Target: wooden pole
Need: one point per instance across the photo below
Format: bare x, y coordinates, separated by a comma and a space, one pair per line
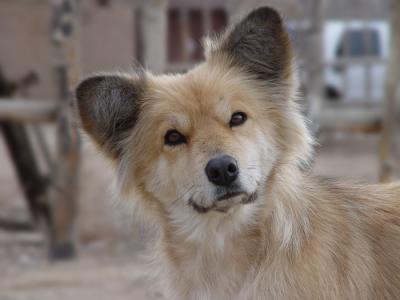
23, 110
153, 24
314, 63
64, 190
392, 83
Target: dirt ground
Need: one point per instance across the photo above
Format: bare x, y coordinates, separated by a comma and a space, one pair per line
110, 263
103, 270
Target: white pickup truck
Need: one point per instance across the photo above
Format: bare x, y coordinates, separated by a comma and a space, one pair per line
354, 58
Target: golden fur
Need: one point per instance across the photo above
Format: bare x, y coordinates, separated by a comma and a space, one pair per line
302, 238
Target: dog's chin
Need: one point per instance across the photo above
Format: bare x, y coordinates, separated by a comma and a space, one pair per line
224, 203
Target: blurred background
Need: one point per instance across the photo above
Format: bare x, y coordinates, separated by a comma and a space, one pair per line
61, 231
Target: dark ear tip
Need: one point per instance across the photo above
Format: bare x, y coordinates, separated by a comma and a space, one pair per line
88, 86
265, 14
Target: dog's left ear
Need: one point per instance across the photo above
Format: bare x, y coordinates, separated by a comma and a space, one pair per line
259, 44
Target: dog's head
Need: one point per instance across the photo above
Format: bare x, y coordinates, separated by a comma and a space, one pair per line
208, 139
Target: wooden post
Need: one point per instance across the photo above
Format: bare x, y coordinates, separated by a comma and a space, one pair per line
392, 83
64, 190
314, 63
153, 24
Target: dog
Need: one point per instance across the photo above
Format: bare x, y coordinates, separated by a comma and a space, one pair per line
219, 158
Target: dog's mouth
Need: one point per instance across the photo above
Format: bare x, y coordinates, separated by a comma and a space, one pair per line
224, 202
229, 195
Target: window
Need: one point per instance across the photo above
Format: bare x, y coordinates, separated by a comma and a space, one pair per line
103, 3
218, 20
186, 29
196, 33
175, 36
359, 43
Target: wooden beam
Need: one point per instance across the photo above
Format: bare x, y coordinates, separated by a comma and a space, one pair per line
16, 226
351, 119
19, 110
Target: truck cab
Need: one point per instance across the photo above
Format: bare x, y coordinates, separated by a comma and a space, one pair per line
354, 58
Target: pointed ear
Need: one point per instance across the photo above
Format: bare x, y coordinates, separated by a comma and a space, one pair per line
259, 44
108, 107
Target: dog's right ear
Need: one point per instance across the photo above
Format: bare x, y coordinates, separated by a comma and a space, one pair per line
108, 107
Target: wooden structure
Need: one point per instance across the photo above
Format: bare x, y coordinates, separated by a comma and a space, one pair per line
371, 113
23, 156
51, 197
314, 64
151, 34
387, 145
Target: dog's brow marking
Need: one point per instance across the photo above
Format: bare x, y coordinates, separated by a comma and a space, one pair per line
179, 120
223, 108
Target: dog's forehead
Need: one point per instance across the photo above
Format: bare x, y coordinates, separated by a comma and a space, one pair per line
197, 93
189, 95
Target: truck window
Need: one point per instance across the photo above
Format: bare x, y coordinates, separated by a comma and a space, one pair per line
359, 43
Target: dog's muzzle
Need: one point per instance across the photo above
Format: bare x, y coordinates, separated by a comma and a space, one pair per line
223, 172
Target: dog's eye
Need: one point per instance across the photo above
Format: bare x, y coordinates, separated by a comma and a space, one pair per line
238, 118
174, 137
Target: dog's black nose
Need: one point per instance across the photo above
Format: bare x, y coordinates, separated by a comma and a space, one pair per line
222, 170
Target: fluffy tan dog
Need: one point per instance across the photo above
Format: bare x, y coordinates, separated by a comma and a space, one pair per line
217, 157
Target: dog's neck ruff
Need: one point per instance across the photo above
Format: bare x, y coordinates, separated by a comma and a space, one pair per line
210, 242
